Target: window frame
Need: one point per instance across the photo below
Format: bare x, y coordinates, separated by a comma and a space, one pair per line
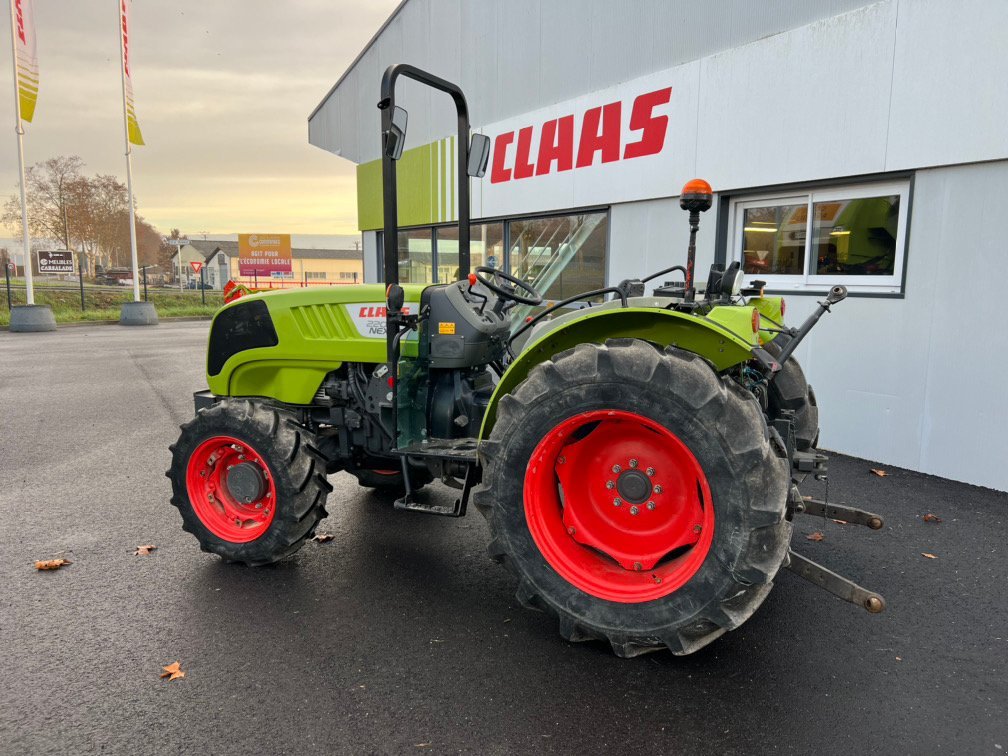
505, 221
809, 281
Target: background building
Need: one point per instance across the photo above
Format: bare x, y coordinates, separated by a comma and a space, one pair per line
308, 266
850, 142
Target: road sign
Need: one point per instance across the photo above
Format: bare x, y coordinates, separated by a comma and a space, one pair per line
264, 254
57, 261
196, 266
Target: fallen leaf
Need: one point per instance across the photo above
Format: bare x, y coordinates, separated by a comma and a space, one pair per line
817, 536
144, 550
51, 564
880, 473
323, 537
899, 658
173, 671
928, 556
929, 517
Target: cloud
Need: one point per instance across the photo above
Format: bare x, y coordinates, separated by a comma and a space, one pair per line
223, 91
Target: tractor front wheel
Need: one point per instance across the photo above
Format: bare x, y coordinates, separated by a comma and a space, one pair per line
248, 481
637, 495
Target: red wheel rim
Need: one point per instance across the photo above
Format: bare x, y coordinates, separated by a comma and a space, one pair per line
618, 506
224, 515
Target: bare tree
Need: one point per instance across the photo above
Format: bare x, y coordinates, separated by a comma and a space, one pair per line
47, 188
87, 214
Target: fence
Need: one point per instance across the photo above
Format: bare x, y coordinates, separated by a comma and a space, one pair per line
71, 301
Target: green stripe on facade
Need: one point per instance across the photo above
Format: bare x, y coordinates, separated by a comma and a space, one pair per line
417, 177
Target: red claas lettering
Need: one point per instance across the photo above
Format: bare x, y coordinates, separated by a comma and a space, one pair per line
601, 135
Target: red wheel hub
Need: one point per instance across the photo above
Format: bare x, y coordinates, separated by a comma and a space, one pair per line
618, 506
231, 489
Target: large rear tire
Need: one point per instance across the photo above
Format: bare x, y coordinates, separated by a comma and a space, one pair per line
636, 495
790, 390
248, 481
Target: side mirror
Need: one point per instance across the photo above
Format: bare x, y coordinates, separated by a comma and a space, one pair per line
395, 137
479, 154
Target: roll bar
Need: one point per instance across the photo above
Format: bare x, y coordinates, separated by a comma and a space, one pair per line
391, 228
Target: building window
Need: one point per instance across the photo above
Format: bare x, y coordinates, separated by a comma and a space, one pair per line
347, 275
416, 256
815, 239
560, 256
311, 275
486, 247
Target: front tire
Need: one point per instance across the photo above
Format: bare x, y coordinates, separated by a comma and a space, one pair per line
601, 431
248, 481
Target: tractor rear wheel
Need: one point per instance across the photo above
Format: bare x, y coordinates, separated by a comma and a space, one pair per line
637, 495
248, 481
790, 390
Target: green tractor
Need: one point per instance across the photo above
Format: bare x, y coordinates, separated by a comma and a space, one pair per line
637, 459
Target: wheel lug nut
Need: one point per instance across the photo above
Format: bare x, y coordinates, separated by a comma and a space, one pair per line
634, 509
697, 528
610, 485
650, 471
633, 463
617, 468
658, 489
258, 505
638, 566
650, 505
617, 502
572, 530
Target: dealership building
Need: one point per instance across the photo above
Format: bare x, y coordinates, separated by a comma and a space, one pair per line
847, 142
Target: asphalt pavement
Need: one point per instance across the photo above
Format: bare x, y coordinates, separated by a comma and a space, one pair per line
401, 636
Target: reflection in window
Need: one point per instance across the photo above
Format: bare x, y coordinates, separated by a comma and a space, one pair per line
486, 242
773, 239
856, 237
415, 259
560, 256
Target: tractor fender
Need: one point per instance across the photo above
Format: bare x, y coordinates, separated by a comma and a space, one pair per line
723, 337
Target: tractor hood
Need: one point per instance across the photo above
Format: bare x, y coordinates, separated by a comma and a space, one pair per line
282, 344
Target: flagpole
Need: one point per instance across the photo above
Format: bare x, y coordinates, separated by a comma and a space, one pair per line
19, 130
129, 158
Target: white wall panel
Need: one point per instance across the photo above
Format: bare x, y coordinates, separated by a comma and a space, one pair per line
950, 83
810, 103
918, 382
645, 237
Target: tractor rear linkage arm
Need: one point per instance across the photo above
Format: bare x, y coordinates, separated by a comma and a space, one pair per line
826, 579
770, 364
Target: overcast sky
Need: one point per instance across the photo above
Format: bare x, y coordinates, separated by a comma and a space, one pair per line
223, 90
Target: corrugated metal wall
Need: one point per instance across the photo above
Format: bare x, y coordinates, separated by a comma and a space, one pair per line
515, 56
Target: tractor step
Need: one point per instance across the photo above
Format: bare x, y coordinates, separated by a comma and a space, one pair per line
453, 449
838, 585
840, 512
410, 502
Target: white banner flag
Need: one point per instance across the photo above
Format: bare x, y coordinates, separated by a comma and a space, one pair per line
132, 126
26, 52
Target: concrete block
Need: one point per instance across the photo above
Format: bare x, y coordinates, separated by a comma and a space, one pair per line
32, 319
138, 314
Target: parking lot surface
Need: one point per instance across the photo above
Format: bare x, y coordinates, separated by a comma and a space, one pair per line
400, 635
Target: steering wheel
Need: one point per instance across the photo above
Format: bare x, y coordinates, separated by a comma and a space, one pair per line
508, 292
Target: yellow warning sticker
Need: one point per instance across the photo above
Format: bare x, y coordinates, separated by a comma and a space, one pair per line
446, 328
